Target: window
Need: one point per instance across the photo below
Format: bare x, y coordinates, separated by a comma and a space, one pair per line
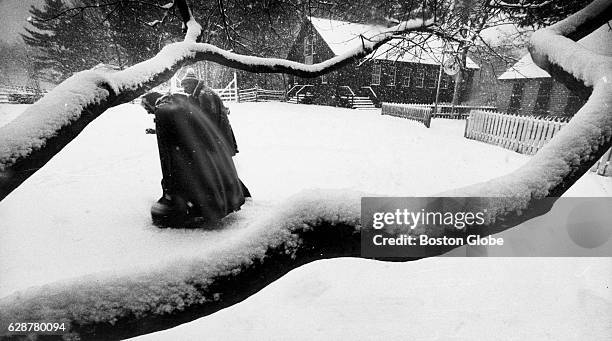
392, 75
419, 77
543, 99
515, 98
309, 43
432, 78
445, 81
407, 78
376, 74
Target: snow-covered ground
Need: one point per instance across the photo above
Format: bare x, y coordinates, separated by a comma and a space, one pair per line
86, 212
9, 112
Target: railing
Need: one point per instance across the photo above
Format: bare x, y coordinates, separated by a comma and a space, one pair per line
352, 96
369, 88
420, 114
288, 93
257, 94
297, 94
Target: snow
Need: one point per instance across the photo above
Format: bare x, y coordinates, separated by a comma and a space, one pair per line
342, 37
432, 299
193, 29
524, 68
86, 214
9, 112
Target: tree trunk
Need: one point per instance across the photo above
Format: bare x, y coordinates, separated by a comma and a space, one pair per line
461, 75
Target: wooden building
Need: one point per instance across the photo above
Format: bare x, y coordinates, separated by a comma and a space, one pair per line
404, 71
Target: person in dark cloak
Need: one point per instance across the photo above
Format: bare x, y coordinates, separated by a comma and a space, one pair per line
200, 183
212, 105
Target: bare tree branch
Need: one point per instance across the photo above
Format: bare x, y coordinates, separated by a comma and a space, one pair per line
81, 9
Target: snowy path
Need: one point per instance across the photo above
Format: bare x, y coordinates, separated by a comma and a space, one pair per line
86, 212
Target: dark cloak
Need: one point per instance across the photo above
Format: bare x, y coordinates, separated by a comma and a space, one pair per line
196, 160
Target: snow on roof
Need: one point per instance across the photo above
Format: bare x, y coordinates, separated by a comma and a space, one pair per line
342, 36
524, 68
410, 51
600, 41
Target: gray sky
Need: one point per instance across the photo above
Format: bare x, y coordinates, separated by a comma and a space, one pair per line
13, 14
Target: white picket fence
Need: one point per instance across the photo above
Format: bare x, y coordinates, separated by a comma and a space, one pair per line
416, 113
523, 134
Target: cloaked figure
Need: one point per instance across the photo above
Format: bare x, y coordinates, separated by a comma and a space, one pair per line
200, 183
212, 105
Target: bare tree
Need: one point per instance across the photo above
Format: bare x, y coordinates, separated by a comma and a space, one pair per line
288, 239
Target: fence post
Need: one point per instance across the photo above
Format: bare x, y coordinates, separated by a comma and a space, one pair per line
465, 129
236, 87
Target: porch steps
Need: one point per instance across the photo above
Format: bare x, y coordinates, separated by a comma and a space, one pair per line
363, 103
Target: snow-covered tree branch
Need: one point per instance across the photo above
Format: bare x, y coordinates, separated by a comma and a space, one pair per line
314, 225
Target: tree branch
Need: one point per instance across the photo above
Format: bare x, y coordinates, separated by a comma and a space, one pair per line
519, 5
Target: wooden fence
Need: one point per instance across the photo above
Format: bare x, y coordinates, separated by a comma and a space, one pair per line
604, 165
19, 94
522, 134
446, 110
12, 89
19, 98
416, 113
260, 95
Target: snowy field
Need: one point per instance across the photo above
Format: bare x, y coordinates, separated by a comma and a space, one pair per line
9, 112
87, 213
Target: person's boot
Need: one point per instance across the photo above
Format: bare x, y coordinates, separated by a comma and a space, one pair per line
169, 211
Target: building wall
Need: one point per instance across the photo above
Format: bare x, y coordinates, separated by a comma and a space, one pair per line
557, 99
406, 89
530, 94
504, 89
